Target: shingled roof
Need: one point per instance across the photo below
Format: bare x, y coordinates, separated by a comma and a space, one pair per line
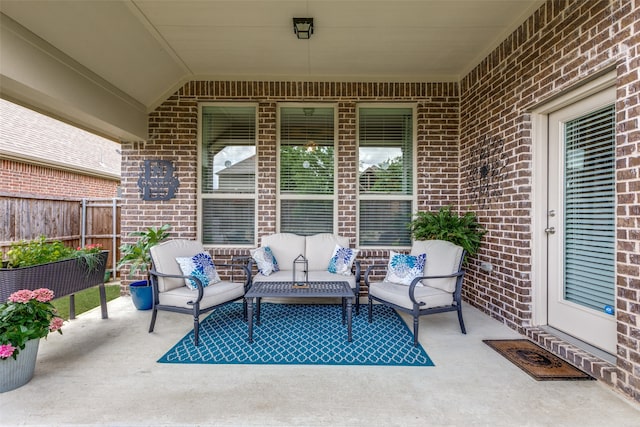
31, 137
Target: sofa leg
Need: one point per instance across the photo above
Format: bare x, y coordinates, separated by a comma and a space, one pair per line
370, 310
416, 322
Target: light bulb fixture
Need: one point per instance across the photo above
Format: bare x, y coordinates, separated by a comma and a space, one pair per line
303, 27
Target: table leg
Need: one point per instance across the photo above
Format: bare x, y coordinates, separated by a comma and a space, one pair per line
344, 309
250, 317
258, 299
349, 317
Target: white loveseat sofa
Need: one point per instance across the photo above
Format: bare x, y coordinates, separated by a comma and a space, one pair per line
317, 249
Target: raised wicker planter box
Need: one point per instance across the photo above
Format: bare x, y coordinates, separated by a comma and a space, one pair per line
63, 277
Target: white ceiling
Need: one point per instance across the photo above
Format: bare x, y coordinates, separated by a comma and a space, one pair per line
148, 48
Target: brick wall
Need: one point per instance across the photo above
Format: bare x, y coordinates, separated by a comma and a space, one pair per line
562, 45
173, 128
18, 178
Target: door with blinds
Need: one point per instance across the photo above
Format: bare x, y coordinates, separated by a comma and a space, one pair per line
581, 220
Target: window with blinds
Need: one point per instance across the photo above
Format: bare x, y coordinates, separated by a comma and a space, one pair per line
307, 169
228, 174
590, 209
385, 150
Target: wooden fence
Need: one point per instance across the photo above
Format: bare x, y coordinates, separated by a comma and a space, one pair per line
75, 222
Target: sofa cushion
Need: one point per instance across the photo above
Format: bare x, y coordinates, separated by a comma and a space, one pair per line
443, 258
314, 276
319, 249
200, 266
286, 247
267, 263
325, 276
402, 269
342, 260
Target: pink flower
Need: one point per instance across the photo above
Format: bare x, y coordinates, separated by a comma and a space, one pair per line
43, 294
21, 296
6, 351
56, 324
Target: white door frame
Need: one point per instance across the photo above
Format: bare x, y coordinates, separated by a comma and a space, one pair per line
539, 163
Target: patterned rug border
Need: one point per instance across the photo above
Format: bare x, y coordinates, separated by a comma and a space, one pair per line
361, 353
560, 370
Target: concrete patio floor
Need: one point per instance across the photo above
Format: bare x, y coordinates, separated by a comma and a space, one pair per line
104, 373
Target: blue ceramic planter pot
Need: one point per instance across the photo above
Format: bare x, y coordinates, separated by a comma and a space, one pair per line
141, 294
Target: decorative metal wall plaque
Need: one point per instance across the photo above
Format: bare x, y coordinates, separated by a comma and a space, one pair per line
488, 171
156, 181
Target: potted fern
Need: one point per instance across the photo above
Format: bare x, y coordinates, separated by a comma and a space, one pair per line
464, 231
137, 256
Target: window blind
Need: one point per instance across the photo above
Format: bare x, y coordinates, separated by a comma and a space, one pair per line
228, 149
228, 175
307, 170
590, 209
385, 150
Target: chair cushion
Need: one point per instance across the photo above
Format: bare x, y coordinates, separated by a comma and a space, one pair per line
200, 266
285, 248
442, 258
399, 295
212, 295
402, 269
164, 260
342, 260
267, 263
319, 249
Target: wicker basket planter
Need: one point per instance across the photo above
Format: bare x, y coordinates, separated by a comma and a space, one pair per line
63, 277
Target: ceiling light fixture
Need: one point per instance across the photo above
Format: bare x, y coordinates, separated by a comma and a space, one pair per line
303, 27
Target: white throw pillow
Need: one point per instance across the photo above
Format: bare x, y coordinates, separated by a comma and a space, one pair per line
267, 263
342, 260
200, 266
402, 269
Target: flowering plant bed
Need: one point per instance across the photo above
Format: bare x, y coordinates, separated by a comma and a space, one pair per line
82, 269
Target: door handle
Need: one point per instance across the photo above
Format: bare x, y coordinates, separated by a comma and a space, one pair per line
550, 230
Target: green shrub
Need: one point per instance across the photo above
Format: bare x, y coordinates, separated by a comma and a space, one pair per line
462, 230
38, 251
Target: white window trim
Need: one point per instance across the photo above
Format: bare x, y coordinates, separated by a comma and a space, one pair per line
414, 178
200, 197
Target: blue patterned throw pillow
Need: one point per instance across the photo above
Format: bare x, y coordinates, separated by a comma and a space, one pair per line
267, 263
402, 269
200, 266
342, 260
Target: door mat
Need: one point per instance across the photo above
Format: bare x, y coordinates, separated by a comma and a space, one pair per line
536, 361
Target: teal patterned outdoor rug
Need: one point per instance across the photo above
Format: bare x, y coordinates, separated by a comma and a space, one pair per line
301, 334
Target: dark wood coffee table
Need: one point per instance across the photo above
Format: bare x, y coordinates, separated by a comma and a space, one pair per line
339, 289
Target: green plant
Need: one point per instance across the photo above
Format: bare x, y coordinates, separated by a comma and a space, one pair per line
25, 316
137, 254
462, 230
37, 251
90, 254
